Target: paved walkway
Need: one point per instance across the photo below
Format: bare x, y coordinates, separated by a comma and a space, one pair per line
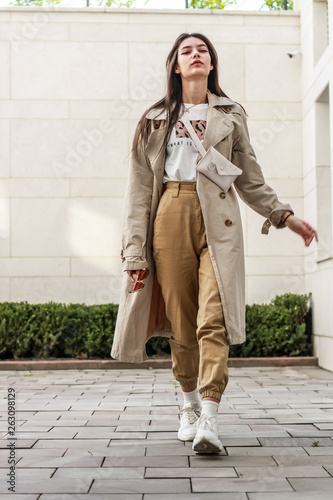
107, 434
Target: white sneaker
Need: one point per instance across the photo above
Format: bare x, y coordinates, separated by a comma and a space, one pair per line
189, 415
207, 436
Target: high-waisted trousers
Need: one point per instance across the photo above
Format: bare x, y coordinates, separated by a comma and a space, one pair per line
199, 345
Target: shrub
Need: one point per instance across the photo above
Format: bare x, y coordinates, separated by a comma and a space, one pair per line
281, 328
56, 330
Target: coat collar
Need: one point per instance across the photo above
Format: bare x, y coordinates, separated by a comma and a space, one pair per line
213, 100
219, 125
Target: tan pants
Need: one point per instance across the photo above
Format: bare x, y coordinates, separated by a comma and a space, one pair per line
199, 345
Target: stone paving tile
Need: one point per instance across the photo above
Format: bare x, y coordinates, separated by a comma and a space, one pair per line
119, 451
296, 471
125, 417
319, 450
261, 434
287, 428
316, 434
4, 461
302, 441
30, 474
240, 484
15, 496
34, 452
198, 496
48, 496
266, 451
324, 426
102, 473
141, 486
172, 451
32, 425
95, 432
96, 428
190, 472
22, 443
305, 484
329, 469
50, 486
290, 461
71, 443
295, 495
257, 421
239, 441
151, 443
156, 461
297, 419
145, 426
227, 461
60, 432
163, 436
66, 461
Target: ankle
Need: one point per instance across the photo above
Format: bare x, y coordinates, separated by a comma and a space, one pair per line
209, 408
192, 397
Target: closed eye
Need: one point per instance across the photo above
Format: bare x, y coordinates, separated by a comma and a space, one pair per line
189, 51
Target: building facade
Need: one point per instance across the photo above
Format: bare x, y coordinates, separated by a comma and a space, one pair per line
317, 118
74, 84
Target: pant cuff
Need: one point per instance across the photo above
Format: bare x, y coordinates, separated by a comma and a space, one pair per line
210, 394
188, 383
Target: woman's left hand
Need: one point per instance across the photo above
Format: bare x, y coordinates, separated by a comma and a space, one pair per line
302, 228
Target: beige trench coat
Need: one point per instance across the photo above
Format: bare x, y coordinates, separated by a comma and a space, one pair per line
142, 315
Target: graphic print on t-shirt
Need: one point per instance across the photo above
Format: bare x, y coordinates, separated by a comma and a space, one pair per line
198, 125
181, 154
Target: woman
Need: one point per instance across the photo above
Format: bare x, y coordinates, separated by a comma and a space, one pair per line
187, 232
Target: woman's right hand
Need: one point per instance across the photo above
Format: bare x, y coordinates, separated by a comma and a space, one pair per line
302, 228
132, 274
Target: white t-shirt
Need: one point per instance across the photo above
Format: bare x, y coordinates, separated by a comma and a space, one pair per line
181, 153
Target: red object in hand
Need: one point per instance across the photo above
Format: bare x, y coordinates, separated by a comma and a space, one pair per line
137, 278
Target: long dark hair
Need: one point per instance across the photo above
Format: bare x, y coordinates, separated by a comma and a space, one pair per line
172, 101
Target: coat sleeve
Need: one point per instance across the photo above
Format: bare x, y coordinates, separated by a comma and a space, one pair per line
251, 185
136, 212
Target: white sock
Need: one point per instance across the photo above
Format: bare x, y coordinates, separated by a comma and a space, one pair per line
209, 407
192, 397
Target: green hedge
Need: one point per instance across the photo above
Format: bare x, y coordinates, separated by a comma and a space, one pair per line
281, 328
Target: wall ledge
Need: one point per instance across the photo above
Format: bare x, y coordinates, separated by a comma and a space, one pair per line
106, 10
102, 364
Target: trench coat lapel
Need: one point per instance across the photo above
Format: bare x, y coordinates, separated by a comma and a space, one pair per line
157, 159
219, 125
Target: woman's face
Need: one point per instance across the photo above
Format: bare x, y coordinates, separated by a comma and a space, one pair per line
193, 59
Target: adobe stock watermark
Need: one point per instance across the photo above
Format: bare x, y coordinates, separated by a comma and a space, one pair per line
267, 134
296, 274
282, 118
30, 28
121, 109
108, 294
84, 148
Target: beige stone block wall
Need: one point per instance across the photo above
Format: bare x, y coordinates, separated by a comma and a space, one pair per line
316, 76
74, 84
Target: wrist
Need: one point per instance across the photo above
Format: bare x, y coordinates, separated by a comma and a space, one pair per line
288, 219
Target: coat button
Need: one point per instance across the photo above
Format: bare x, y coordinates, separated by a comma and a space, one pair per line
156, 125
222, 195
228, 222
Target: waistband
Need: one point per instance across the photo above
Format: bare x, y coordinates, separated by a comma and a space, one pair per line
181, 186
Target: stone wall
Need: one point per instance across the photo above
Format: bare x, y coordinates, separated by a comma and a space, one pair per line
74, 83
